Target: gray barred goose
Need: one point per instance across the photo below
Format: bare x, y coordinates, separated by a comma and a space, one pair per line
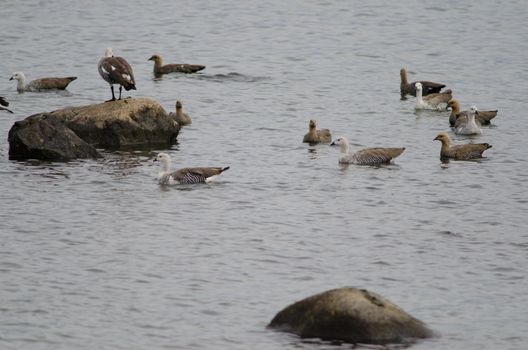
116, 70
160, 68
460, 152
407, 88
40, 84
185, 175
180, 117
482, 117
367, 156
4, 104
315, 136
434, 101
466, 124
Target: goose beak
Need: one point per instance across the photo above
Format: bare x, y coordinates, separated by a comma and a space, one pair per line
436, 138
11, 78
333, 143
155, 160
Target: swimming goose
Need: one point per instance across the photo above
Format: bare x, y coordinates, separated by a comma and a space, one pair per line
482, 117
317, 136
367, 156
160, 69
40, 84
116, 70
466, 125
428, 87
460, 152
435, 101
180, 117
4, 104
185, 175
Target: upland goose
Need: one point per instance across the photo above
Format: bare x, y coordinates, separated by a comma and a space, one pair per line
434, 101
4, 104
482, 117
428, 87
40, 84
315, 136
367, 156
185, 175
116, 70
460, 152
466, 125
180, 117
160, 68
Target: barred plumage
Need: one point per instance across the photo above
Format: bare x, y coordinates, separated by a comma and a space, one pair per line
185, 175
367, 156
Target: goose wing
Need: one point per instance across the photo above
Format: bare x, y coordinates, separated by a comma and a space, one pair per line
438, 98
196, 175
181, 67
116, 70
377, 155
50, 83
468, 151
485, 117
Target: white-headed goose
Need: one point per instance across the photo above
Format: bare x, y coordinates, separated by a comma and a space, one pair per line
116, 70
185, 175
315, 136
180, 117
367, 156
466, 125
428, 87
435, 101
160, 68
40, 84
460, 152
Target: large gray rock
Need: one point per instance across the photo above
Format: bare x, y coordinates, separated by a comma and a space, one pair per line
45, 137
119, 124
351, 315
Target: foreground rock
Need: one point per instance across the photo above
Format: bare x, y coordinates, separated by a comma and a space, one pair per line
351, 315
112, 125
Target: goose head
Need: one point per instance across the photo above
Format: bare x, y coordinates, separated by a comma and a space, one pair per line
18, 76
418, 86
455, 106
165, 160
178, 104
312, 124
442, 137
155, 58
109, 52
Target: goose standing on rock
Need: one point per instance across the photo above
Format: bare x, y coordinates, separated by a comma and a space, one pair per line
4, 104
40, 84
407, 88
482, 117
315, 136
180, 117
434, 101
185, 175
116, 70
367, 156
460, 152
466, 125
160, 69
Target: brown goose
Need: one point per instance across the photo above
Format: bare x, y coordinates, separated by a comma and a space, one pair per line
367, 156
317, 136
460, 152
116, 70
407, 88
482, 117
180, 117
185, 175
160, 69
435, 101
4, 104
40, 84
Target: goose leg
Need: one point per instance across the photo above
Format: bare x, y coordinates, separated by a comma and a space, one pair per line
113, 96
120, 88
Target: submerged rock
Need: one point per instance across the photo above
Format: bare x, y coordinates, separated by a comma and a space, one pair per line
118, 124
351, 315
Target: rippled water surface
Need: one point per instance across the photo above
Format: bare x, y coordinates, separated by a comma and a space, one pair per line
95, 255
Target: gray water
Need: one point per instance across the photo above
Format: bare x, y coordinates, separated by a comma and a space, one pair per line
95, 255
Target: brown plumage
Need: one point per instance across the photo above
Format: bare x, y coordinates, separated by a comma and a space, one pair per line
317, 136
160, 68
41, 84
460, 152
406, 88
116, 70
180, 117
481, 117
